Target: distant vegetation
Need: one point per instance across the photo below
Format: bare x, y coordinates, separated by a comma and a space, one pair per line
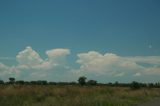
83, 82
84, 92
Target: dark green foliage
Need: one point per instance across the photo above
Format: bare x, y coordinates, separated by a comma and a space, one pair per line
21, 82
12, 80
157, 85
72, 83
92, 82
116, 83
1, 82
135, 85
82, 80
52, 83
150, 85
40, 82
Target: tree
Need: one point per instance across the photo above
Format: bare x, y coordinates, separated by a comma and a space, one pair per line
33, 82
1, 82
12, 80
21, 82
52, 83
82, 80
41, 82
116, 83
135, 85
92, 82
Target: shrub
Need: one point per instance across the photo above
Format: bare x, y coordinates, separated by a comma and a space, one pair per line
82, 80
135, 85
92, 82
11, 80
1, 82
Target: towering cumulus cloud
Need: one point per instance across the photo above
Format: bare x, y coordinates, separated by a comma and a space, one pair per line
32, 59
107, 64
112, 65
29, 57
100, 66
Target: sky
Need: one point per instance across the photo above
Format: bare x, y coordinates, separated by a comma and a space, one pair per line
61, 40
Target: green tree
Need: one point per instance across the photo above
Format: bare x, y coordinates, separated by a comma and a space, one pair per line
12, 80
1, 82
92, 82
135, 85
20, 82
82, 80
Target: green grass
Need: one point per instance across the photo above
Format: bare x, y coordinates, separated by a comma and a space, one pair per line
74, 95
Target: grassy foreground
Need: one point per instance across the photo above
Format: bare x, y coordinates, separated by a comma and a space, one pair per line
28, 95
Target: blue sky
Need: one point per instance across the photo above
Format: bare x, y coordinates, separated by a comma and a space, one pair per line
126, 28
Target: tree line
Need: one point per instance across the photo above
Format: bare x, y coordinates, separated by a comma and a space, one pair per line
82, 81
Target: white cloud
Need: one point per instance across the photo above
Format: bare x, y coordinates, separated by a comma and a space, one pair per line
155, 60
96, 62
29, 57
155, 70
120, 74
6, 71
113, 65
104, 64
57, 56
3, 67
32, 66
54, 53
137, 74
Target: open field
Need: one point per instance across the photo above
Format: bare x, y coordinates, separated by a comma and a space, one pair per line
155, 102
52, 95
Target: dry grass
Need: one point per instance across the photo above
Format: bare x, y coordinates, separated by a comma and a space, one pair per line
74, 96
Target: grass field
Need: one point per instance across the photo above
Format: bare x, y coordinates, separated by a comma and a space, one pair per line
29, 95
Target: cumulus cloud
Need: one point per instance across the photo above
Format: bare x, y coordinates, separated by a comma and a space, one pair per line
57, 56
29, 57
120, 74
6, 71
137, 74
155, 60
3, 67
104, 64
31, 64
3, 70
109, 65
54, 53
94, 61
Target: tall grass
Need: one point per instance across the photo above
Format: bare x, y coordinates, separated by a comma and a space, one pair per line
28, 95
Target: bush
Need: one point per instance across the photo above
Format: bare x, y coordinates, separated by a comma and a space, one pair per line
1, 82
82, 80
11, 80
92, 82
135, 85
20, 82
